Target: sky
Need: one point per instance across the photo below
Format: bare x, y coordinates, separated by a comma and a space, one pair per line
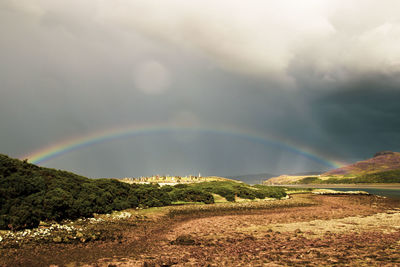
260, 86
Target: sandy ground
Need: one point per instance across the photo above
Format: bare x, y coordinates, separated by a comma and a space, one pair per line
388, 222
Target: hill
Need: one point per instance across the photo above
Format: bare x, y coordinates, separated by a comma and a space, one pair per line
383, 167
380, 162
30, 194
288, 179
252, 178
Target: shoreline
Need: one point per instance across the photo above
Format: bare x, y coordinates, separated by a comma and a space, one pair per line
394, 186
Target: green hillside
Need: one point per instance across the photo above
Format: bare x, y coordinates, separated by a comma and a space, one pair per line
383, 167
381, 162
30, 194
392, 176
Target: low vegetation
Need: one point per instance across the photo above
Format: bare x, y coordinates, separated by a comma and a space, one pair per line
392, 176
30, 194
330, 229
229, 190
384, 167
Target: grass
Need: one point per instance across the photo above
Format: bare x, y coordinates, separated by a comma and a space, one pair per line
233, 190
105, 226
391, 176
291, 191
219, 199
177, 203
238, 207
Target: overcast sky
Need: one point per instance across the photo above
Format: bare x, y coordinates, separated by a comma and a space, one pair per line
324, 75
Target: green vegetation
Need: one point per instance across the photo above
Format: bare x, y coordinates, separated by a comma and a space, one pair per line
202, 192
309, 180
229, 190
187, 194
293, 190
392, 176
30, 194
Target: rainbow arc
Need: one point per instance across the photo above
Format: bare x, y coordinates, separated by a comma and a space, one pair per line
58, 149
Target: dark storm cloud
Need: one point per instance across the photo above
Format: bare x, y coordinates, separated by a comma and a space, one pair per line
362, 116
311, 72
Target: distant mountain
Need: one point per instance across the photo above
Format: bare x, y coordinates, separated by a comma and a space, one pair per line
252, 178
383, 167
306, 173
382, 161
173, 180
262, 177
289, 179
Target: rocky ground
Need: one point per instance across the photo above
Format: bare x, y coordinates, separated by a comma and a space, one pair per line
306, 230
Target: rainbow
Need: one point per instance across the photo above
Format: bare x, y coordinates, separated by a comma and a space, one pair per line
56, 150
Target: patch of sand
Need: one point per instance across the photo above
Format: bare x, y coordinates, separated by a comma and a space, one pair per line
387, 222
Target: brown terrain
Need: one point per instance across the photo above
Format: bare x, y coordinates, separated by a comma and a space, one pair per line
380, 162
305, 230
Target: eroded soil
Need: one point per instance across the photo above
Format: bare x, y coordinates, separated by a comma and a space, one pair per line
340, 230
335, 231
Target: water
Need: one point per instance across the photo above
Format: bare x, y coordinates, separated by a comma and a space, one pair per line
392, 193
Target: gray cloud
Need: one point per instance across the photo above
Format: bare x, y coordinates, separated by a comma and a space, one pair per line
323, 74
263, 37
364, 115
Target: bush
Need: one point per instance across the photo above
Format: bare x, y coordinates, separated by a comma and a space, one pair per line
229, 190
29, 194
191, 195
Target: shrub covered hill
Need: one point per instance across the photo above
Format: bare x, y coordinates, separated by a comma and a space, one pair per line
383, 167
30, 194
